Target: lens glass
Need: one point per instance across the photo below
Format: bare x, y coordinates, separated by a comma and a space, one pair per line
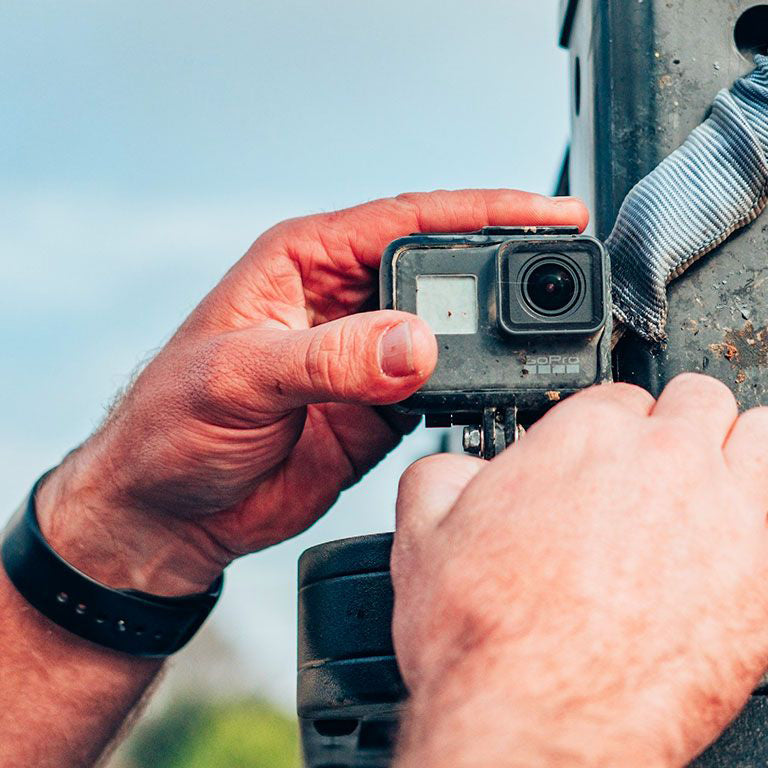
550, 288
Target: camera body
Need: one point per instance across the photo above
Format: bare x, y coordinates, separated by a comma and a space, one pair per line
521, 315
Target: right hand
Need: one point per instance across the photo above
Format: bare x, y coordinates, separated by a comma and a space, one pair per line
594, 596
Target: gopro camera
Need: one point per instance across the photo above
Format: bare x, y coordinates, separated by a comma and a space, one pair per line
521, 315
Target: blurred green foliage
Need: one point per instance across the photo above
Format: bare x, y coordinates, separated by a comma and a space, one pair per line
227, 734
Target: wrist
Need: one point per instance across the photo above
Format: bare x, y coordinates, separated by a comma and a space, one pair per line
116, 543
486, 710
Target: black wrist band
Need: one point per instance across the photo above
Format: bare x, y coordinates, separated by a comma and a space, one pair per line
124, 620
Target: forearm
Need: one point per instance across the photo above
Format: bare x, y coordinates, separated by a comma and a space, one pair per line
62, 699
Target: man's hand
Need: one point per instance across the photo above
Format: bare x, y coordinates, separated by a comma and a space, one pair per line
594, 596
249, 423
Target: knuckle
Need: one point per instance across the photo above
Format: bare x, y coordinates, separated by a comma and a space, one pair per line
286, 229
287, 236
330, 360
412, 203
701, 385
421, 471
633, 390
427, 207
331, 230
454, 589
616, 397
276, 236
409, 198
581, 411
540, 208
316, 363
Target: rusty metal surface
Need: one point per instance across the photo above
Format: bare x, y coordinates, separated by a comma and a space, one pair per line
660, 66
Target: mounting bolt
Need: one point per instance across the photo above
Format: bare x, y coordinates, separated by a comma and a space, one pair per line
472, 440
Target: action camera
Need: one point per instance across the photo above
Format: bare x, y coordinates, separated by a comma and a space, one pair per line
522, 317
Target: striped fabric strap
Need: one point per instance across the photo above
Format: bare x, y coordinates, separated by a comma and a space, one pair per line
714, 184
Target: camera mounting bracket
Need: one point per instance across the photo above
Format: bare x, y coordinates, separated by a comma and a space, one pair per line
498, 429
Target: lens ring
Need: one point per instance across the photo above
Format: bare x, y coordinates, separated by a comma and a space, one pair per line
551, 287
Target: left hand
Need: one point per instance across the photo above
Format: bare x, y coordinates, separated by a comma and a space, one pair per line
248, 424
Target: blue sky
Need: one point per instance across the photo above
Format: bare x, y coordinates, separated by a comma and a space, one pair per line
145, 145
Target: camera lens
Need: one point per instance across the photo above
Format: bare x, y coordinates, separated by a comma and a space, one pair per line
550, 288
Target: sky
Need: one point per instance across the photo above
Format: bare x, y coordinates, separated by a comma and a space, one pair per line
145, 145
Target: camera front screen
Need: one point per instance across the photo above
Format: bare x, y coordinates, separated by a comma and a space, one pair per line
447, 303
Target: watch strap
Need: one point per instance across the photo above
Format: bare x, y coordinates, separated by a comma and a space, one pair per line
125, 620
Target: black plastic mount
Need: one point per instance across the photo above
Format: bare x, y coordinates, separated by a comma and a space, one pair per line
349, 687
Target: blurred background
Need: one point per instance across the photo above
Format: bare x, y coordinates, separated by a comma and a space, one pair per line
143, 147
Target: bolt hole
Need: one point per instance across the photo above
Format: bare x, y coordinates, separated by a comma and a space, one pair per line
751, 31
675, 61
335, 727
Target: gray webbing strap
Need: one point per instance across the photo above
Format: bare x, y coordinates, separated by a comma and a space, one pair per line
714, 184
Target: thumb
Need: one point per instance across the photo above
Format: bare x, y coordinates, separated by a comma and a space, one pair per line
368, 358
427, 493
428, 490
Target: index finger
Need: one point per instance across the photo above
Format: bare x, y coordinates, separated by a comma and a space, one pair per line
363, 232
